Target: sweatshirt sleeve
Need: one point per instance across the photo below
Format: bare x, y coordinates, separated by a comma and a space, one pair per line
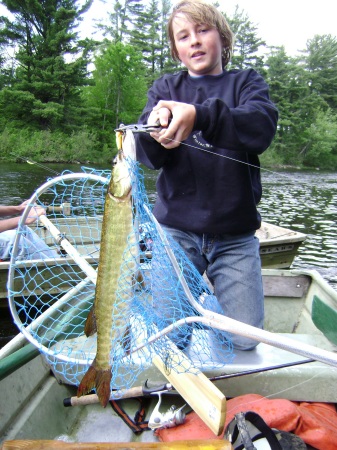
248, 126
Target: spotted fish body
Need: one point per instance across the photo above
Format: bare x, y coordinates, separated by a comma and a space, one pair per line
110, 314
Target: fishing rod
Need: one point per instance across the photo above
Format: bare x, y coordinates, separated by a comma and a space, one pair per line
146, 389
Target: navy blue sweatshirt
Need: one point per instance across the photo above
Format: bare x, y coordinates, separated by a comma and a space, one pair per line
211, 182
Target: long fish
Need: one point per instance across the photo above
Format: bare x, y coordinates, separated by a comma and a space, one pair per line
109, 316
201, 394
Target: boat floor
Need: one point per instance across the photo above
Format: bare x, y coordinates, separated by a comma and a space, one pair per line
309, 382
312, 381
36, 402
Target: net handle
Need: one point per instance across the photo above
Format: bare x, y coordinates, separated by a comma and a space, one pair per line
224, 323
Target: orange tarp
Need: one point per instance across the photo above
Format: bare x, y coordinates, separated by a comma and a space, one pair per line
315, 423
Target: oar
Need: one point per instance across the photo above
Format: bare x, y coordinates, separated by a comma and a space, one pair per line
64, 208
19, 340
69, 248
195, 388
208, 401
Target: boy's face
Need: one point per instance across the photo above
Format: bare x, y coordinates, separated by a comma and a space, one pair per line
199, 46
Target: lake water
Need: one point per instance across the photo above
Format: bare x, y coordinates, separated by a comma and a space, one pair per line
302, 201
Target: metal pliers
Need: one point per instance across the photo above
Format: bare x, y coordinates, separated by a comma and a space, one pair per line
139, 128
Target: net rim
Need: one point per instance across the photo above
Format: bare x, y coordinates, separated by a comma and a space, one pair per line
10, 283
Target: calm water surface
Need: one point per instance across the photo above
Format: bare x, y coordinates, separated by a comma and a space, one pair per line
302, 201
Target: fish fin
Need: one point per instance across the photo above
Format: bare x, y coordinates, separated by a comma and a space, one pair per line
99, 379
90, 326
103, 380
88, 381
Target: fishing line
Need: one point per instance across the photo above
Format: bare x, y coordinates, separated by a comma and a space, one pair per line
30, 161
232, 159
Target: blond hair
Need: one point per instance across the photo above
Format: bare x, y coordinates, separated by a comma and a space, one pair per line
200, 12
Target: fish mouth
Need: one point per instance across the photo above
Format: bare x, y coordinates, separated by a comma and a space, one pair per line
121, 185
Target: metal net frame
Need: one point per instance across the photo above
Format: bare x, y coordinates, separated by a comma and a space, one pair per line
51, 297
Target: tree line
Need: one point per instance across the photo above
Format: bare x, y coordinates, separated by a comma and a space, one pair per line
62, 96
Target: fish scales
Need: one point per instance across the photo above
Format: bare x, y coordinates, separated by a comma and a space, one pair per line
110, 313
114, 239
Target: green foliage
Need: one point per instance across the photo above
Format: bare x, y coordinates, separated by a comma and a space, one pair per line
271, 158
54, 110
122, 19
246, 42
320, 59
47, 70
143, 27
54, 146
118, 93
321, 141
302, 109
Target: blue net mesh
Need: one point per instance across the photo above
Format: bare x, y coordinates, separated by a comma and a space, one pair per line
52, 289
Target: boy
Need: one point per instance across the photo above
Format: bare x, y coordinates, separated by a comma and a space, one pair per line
215, 124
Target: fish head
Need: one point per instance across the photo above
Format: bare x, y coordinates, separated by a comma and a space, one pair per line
120, 184
129, 145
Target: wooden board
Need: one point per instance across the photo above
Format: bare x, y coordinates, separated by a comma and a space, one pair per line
213, 444
196, 389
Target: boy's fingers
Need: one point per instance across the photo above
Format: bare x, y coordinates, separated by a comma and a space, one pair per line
163, 104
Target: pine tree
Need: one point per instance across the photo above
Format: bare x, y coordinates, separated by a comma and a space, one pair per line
320, 58
246, 42
51, 63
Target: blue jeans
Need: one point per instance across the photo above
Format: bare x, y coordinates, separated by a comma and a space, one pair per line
233, 266
31, 246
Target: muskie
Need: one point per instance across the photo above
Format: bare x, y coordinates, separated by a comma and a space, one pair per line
116, 227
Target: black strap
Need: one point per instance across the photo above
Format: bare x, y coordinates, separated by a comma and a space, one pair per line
138, 424
240, 428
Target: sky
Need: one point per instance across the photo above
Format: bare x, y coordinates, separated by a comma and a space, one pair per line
287, 22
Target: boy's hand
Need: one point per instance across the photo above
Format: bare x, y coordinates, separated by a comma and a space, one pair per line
182, 117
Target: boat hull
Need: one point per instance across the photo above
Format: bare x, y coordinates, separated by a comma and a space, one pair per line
31, 403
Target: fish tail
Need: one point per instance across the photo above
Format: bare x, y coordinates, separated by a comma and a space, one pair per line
90, 326
99, 379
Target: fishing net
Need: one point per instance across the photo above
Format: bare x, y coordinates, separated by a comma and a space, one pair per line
51, 285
